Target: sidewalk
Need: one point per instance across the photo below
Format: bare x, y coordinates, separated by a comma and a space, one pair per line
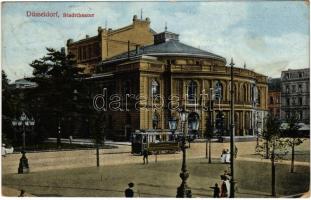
11, 192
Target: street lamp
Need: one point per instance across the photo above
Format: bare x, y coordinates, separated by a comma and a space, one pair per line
23, 122
172, 123
210, 123
232, 133
183, 191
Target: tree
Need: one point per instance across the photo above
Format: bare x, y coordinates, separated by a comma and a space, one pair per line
57, 76
274, 147
10, 106
292, 137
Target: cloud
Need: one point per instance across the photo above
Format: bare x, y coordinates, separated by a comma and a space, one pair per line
229, 29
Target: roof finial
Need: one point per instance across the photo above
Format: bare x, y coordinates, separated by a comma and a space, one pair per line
244, 65
141, 14
106, 24
165, 26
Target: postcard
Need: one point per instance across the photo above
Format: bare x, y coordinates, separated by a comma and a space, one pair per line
165, 99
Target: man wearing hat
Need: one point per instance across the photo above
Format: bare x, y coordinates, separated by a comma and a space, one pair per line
129, 191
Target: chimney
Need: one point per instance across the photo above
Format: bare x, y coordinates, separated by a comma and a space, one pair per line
87, 36
164, 37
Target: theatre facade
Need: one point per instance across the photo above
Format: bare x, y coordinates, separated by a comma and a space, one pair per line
144, 87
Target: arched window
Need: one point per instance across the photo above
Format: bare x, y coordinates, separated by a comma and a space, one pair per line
155, 120
155, 89
255, 94
192, 91
218, 90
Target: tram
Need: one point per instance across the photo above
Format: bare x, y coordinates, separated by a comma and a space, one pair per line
155, 141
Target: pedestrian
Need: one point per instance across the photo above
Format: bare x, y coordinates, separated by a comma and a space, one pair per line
129, 191
145, 156
70, 139
216, 191
223, 156
235, 151
224, 191
22, 193
227, 156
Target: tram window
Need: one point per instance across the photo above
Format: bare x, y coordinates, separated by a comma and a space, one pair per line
144, 139
157, 137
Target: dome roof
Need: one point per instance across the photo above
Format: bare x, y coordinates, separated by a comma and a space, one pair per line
169, 48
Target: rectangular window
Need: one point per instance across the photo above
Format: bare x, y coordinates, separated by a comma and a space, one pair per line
299, 88
288, 101
294, 101
293, 88
300, 101
287, 89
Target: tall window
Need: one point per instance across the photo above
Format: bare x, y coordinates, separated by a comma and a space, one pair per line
155, 89
287, 89
299, 88
218, 90
294, 101
255, 94
271, 100
155, 120
192, 91
294, 88
287, 101
300, 101
300, 114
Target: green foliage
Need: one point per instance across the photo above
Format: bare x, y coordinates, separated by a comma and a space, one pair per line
5, 80
275, 146
291, 132
98, 122
57, 77
10, 106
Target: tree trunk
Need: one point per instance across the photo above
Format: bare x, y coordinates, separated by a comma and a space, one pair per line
273, 173
210, 151
97, 154
267, 150
293, 158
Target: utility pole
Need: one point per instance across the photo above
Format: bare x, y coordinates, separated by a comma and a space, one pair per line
211, 109
232, 149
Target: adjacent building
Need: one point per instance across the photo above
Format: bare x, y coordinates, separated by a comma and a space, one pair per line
108, 43
295, 95
274, 97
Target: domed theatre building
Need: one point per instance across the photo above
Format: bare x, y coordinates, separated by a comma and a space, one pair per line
146, 85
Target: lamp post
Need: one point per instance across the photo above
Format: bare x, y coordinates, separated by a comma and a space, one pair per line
210, 127
23, 122
232, 133
183, 191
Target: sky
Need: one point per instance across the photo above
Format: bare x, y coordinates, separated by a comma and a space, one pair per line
269, 36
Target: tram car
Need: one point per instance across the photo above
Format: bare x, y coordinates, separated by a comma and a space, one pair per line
155, 141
